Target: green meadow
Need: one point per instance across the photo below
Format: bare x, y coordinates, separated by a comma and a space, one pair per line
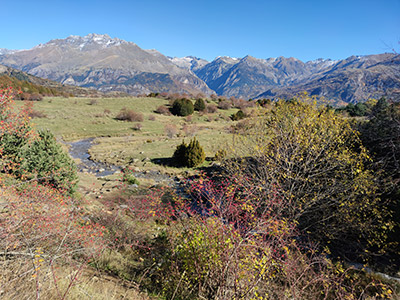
122, 142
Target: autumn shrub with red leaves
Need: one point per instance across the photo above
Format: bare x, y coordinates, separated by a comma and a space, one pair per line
223, 239
15, 131
42, 230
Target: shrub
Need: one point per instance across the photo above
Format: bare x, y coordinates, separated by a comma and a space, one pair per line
36, 97
152, 118
129, 115
317, 160
128, 176
189, 119
211, 108
37, 114
138, 126
227, 244
170, 130
238, 116
182, 107
153, 95
224, 104
220, 154
264, 102
45, 160
190, 130
93, 102
163, 110
189, 155
199, 105
15, 131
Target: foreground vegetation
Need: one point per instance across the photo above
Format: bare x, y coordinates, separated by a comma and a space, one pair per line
299, 194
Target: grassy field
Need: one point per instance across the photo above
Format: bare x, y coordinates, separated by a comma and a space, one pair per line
118, 142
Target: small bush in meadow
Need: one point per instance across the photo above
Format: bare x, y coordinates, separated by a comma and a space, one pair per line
128, 176
211, 108
182, 107
163, 110
138, 126
220, 154
190, 130
189, 119
189, 155
225, 104
129, 115
199, 105
37, 114
238, 116
170, 130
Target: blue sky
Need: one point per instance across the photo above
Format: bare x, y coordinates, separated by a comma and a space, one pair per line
303, 29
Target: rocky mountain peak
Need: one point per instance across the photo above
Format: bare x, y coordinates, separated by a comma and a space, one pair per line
87, 42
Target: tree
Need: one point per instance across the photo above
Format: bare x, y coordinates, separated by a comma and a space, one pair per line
381, 136
199, 105
189, 155
316, 161
15, 131
238, 116
45, 160
182, 107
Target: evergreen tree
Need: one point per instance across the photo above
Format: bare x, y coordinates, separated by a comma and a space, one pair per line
189, 155
199, 105
182, 107
46, 160
195, 153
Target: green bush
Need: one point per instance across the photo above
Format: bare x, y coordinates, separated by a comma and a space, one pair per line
45, 160
182, 107
238, 116
190, 155
199, 105
129, 176
220, 154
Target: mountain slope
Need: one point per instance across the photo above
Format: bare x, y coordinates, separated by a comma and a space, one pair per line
106, 64
353, 80
249, 76
25, 82
111, 64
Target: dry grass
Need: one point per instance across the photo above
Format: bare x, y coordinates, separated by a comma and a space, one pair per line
17, 282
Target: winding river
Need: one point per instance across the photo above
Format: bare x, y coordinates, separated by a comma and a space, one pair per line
80, 150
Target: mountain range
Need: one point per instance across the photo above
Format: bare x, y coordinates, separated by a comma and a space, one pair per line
111, 64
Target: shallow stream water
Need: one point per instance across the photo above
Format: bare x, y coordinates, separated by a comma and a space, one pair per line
80, 150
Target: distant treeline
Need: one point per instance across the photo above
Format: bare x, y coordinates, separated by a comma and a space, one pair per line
25, 90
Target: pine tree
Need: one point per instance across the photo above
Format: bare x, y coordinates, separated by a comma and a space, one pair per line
189, 155
195, 154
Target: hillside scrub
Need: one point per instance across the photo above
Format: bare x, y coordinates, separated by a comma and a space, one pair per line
224, 243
